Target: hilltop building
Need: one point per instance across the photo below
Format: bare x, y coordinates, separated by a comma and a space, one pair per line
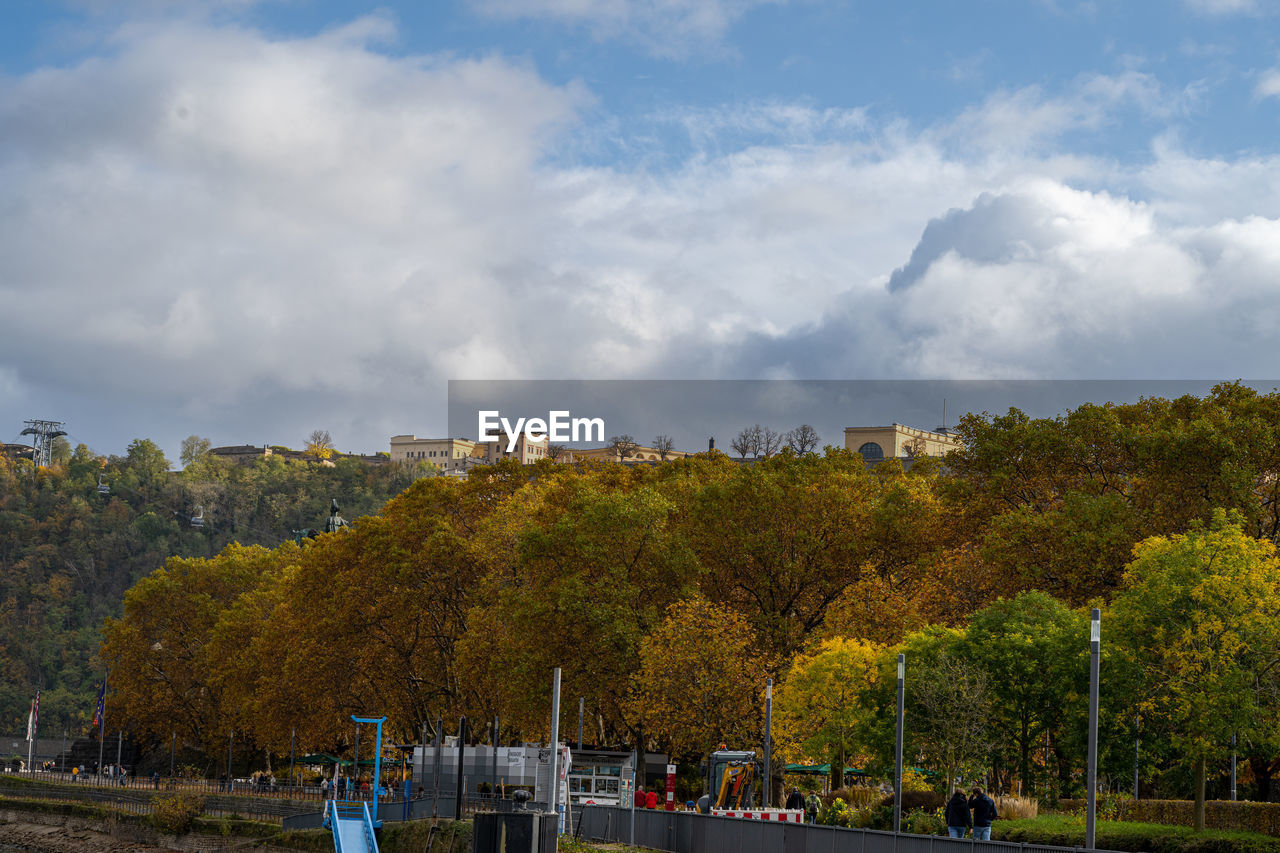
609, 454
248, 454
447, 454
899, 442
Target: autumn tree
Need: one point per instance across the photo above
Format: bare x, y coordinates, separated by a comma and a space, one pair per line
319, 444
779, 540
1199, 618
664, 445
803, 439
819, 707
623, 446
593, 564
746, 443
160, 653
699, 683
770, 441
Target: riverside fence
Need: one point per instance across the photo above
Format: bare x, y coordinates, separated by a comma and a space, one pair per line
689, 832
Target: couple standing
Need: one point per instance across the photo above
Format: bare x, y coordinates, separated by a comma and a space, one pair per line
960, 817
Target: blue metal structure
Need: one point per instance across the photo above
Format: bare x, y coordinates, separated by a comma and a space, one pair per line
352, 823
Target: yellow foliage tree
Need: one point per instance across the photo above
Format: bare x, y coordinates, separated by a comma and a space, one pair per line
699, 684
1199, 621
819, 707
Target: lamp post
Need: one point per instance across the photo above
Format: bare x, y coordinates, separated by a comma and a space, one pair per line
555, 747
231, 744
1233, 767
1095, 654
1137, 752
460, 792
897, 762
768, 742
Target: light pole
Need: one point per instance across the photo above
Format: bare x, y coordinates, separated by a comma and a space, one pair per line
897, 762
293, 736
1233, 767
1137, 754
768, 741
555, 746
1095, 654
435, 766
459, 791
230, 746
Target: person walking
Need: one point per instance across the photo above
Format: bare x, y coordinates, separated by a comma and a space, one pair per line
651, 800
984, 812
795, 801
812, 804
959, 820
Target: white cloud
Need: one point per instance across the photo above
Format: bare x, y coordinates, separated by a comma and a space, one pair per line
1268, 85
212, 231
666, 28
1224, 7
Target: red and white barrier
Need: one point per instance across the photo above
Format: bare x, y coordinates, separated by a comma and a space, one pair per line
785, 815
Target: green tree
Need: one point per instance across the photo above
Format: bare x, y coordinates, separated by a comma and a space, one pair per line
819, 705
1034, 650
1199, 618
949, 704
193, 448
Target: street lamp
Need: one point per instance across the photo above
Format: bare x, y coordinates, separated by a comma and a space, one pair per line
897, 763
1095, 653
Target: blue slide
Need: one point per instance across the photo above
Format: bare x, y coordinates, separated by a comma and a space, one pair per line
352, 827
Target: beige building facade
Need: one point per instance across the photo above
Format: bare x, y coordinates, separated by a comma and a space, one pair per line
898, 442
525, 452
447, 454
609, 454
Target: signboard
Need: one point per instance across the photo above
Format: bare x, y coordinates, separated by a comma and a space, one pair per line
671, 787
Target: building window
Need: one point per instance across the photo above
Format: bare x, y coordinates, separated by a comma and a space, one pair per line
871, 452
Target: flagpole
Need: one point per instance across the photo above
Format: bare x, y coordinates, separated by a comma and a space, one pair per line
102, 723
31, 734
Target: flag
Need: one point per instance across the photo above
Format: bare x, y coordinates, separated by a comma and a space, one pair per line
100, 711
31, 721
35, 716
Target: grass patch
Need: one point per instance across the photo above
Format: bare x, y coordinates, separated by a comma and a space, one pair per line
1068, 831
61, 807
408, 836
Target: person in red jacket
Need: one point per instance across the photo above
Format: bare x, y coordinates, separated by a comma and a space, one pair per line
651, 800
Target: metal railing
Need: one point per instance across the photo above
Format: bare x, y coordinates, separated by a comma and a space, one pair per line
690, 832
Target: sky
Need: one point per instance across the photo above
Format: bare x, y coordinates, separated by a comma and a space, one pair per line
249, 220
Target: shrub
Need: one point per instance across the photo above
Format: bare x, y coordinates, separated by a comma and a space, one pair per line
835, 813
921, 822
1068, 831
857, 796
1013, 808
915, 800
1218, 814
175, 813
